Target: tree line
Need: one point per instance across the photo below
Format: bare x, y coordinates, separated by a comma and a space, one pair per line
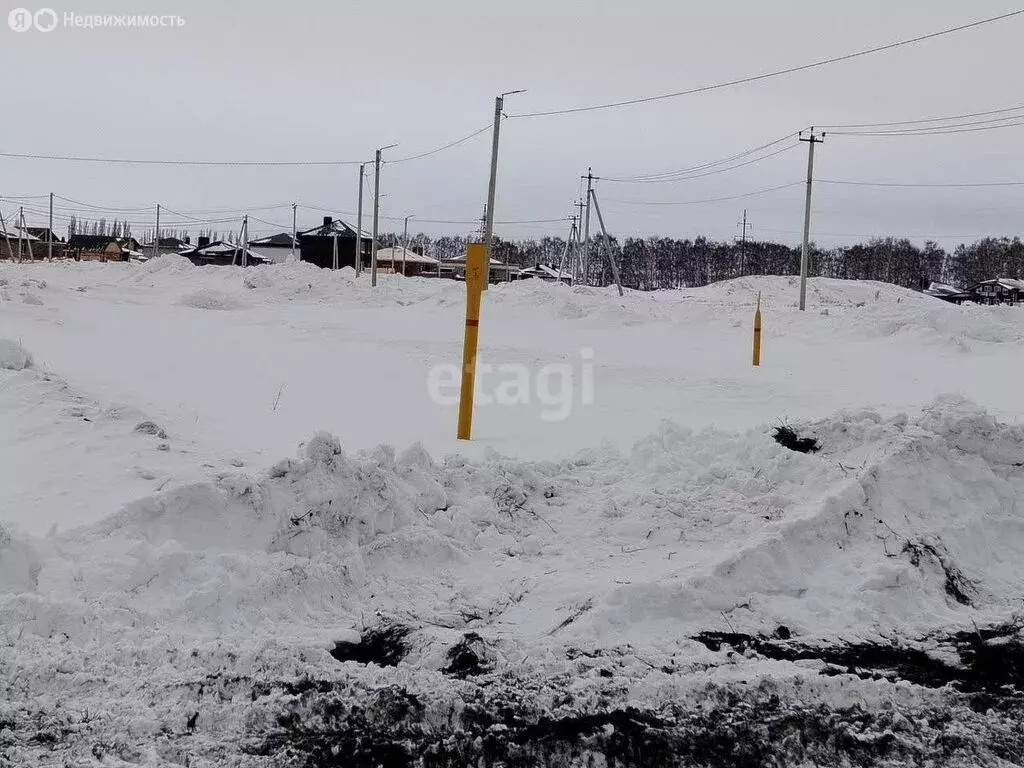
654, 263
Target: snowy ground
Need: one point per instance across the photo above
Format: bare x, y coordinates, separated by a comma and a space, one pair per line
651, 580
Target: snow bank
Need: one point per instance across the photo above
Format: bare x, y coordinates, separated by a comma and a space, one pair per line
896, 522
13, 356
562, 573
167, 264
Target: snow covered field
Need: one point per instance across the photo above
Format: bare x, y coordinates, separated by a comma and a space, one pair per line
225, 491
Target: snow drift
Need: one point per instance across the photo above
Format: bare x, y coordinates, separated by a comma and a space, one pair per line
897, 528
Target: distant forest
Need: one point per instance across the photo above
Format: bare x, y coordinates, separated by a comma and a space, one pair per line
662, 262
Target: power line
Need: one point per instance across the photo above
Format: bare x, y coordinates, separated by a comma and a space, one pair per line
217, 163
701, 167
232, 163
938, 130
714, 172
923, 184
776, 73
456, 143
927, 119
708, 200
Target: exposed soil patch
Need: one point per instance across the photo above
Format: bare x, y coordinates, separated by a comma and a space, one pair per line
990, 660
385, 646
787, 437
468, 657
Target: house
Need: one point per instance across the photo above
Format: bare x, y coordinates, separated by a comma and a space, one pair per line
101, 247
1000, 290
164, 246
21, 244
545, 273
948, 293
44, 234
222, 253
275, 248
49, 243
317, 245
406, 261
456, 268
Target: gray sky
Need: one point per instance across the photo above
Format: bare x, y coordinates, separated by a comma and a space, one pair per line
307, 80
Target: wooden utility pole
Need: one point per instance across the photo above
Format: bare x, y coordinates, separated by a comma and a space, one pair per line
21, 230
156, 238
586, 228
294, 231
7, 239
607, 242
568, 246
28, 242
743, 245
359, 223
245, 241
811, 141
49, 233
405, 242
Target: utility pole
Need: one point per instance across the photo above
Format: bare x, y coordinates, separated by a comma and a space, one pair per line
21, 230
568, 245
359, 224
743, 245
49, 233
245, 241
607, 242
586, 228
7, 239
334, 246
576, 260
294, 231
376, 214
499, 103
156, 238
807, 213
405, 242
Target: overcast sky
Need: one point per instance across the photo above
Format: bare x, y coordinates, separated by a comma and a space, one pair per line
305, 80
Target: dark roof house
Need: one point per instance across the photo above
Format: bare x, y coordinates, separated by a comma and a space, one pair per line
545, 273
999, 290
317, 245
281, 240
222, 253
948, 293
44, 234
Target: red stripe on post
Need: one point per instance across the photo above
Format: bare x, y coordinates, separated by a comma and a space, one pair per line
473, 323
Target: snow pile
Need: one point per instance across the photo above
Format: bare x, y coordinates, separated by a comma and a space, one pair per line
560, 574
165, 265
894, 523
13, 356
207, 298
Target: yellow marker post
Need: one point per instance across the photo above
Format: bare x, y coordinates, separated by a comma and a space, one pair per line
476, 264
757, 332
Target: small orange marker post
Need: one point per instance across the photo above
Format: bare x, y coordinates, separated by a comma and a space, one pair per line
476, 264
757, 332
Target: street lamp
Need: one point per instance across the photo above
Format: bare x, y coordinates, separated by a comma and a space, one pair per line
499, 103
376, 212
